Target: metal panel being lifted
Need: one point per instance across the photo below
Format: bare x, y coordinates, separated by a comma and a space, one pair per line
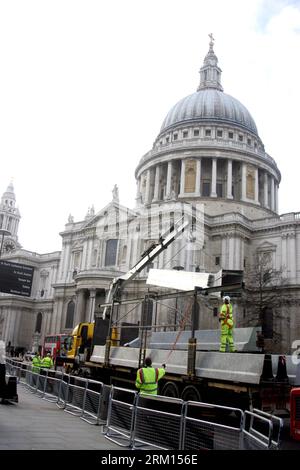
181, 280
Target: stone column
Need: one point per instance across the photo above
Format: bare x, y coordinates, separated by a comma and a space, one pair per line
231, 252
80, 306
11, 329
182, 178
6, 314
198, 177
138, 187
16, 328
46, 323
266, 202
291, 251
244, 171
213, 192
89, 253
147, 191
272, 194
256, 191
92, 305
56, 324
284, 257
237, 253
169, 179
225, 250
276, 197
156, 184
66, 261
229, 180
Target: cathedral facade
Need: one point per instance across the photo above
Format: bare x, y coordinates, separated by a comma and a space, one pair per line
208, 155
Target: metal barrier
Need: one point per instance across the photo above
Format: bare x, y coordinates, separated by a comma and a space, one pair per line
120, 418
158, 422
16, 369
31, 381
42, 382
208, 426
76, 396
92, 402
63, 391
257, 431
52, 386
140, 421
256, 428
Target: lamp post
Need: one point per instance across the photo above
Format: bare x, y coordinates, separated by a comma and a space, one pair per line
3, 232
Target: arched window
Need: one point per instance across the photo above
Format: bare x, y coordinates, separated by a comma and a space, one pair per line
38, 323
70, 315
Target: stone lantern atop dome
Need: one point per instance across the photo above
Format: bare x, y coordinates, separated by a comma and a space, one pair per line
210, 73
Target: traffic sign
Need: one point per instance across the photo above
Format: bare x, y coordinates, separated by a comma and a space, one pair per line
15, 278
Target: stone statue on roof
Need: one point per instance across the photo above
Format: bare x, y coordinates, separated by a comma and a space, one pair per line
115, 193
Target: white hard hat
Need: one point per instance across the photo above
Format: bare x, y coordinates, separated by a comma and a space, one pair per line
226, 298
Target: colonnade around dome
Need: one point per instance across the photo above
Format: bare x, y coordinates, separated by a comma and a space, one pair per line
208, 177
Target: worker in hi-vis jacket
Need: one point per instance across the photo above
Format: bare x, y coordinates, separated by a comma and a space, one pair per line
226, 320
147, 377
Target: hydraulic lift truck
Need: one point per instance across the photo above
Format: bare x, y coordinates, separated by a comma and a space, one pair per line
8, 383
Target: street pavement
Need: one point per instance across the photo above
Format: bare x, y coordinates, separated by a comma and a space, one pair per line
34, 423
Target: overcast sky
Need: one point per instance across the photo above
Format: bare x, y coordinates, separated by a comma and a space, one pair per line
85, 86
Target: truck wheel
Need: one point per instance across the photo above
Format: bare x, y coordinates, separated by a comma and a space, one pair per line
170, 390
191, 393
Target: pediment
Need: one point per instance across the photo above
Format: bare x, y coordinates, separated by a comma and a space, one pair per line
108, 213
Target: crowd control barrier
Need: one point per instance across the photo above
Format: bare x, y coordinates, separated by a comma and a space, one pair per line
208, 427
120, 418
139, 421
157, 422
261, 431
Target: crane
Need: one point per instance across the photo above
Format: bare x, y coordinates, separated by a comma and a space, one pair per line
118, 284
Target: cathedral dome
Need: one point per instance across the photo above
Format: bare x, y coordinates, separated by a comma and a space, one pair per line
209, 104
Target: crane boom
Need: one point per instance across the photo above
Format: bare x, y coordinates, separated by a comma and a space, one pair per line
148, 256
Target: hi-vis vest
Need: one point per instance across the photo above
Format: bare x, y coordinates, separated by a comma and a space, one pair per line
36, 363
47, 363
226, 315
147, 378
